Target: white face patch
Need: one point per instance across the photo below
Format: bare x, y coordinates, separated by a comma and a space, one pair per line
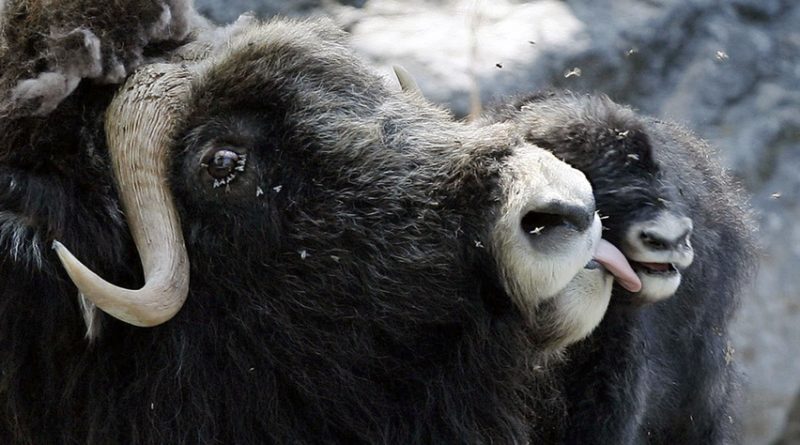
540, 264
659, 249
580, 307
656, 288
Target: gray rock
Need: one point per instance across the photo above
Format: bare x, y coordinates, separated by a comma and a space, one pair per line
791, 435
728, 69
226, 11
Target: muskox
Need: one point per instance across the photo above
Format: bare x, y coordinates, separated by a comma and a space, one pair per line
659, 367
299, 254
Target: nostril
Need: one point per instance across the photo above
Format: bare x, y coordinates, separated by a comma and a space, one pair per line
557, 214
683, 240
534, 223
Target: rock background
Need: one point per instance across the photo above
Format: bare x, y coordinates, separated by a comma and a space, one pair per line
729, 69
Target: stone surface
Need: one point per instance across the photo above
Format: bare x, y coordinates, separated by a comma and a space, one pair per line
791, 435
729, 69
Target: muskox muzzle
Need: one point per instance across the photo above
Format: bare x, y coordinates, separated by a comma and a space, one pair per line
660, 250
548, 244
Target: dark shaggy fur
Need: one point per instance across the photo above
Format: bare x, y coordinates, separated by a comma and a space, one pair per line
661, 374
339, 289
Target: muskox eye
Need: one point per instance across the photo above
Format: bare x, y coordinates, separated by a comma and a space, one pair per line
224, 165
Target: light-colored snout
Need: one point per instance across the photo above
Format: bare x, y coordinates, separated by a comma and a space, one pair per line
659, 249
544, 242
547, 229
668, 233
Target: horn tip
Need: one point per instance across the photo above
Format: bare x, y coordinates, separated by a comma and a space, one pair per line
63, 253
406, 80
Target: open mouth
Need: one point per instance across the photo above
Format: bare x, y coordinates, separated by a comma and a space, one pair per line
657, 269
660, 280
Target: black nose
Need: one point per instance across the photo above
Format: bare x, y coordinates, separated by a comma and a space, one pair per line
666, 238
557, 213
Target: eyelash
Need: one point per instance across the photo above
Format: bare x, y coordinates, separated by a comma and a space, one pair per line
240, 164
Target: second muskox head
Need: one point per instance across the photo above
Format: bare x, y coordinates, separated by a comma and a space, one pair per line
642, 205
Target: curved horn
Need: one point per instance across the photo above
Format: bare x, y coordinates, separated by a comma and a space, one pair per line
407, 82
140, 123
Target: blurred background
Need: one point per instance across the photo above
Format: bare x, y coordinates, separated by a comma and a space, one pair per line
729, 69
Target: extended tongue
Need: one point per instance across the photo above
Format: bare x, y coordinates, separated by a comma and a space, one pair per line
616, 263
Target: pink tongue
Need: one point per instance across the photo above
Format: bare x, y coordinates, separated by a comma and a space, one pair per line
616, 263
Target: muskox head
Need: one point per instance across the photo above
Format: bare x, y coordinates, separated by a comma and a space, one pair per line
624, 157
269, 173
325, 259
